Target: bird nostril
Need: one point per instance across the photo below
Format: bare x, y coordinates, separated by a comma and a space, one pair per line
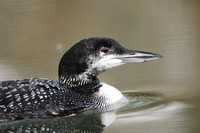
131, 52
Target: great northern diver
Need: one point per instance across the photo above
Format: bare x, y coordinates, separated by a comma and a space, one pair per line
78, 88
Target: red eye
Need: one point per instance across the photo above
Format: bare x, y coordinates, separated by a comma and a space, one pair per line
104, 50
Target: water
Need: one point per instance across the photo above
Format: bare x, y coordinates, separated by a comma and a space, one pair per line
164, 94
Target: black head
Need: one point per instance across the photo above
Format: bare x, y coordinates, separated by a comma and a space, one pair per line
91, 56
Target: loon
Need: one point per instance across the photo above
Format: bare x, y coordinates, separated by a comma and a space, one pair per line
78, 88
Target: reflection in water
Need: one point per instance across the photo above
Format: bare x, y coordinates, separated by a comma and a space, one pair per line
161, 111
93, 123
165, 118
84, 122
141, 108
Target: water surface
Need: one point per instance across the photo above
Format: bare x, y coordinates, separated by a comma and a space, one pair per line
164, 94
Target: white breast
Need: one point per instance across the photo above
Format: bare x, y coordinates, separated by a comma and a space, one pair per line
111, 94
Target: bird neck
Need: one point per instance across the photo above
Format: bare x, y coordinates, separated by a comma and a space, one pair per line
82, 84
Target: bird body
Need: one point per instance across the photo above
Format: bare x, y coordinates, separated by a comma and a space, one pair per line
78, 88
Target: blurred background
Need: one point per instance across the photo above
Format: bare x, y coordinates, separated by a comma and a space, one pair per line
35, 34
